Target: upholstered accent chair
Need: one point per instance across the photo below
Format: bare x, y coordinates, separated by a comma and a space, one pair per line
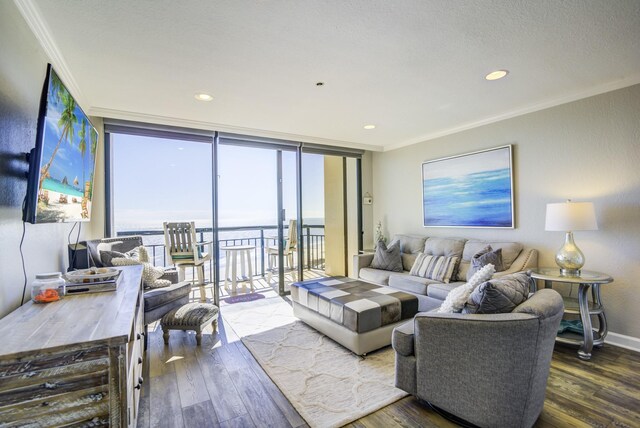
157, 301
488, 370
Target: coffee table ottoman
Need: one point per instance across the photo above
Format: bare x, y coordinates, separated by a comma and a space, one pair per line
358, 315
192, 316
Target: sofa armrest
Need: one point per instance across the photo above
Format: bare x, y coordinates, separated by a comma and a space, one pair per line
361, 261
526, 260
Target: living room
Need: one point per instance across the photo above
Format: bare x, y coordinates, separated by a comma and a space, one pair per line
569, 108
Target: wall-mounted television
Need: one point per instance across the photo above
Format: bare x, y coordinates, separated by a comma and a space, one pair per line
62, 164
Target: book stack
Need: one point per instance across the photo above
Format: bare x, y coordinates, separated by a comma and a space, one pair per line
110, 284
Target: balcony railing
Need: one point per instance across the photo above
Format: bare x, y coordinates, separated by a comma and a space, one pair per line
261, 237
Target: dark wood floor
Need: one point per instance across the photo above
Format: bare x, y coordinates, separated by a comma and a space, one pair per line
221, 384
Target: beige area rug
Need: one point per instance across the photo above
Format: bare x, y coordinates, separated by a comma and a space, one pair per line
327, 384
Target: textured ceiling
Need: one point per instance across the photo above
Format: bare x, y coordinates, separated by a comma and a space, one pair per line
413, 68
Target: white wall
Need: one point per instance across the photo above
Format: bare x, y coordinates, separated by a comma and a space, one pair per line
23, 66
588, 150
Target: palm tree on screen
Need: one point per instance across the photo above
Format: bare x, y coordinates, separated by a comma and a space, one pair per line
67, 121
82, 145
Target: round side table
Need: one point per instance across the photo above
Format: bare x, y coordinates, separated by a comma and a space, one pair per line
581, 306
231, 255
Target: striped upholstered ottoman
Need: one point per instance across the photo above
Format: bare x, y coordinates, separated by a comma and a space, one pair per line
358, 315
192, 316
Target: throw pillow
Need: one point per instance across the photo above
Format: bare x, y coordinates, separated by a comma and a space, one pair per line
387, 258
107, 256
483, 258
150, 274
438, 268
500, 295
456, 299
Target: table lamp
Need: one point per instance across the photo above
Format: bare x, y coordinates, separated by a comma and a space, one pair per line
567, 217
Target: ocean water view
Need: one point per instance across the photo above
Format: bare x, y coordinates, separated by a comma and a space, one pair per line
481, 199
56, 186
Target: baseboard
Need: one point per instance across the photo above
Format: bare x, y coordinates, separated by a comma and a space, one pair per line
627, 342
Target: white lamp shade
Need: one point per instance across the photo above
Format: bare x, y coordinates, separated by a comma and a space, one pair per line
570, 216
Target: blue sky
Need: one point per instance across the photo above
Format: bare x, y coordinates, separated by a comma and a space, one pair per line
68, 161
156, 180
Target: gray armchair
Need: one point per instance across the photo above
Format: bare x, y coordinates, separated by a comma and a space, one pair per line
157, 301
489, 370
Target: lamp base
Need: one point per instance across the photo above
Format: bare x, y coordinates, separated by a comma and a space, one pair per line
569, 257
569, 272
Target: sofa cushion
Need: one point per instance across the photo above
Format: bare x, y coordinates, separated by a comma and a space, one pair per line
408, 259
447, 247
409, 243
440, 291
438, 268
412, 284
499, 295
402, 339
486, 256
376, 276
387, 258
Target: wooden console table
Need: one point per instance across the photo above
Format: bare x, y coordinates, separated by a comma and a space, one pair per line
77, 361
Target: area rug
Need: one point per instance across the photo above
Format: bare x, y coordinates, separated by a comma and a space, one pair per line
327, 384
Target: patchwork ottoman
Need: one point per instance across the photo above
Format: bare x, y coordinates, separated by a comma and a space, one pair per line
358, 315
192, 316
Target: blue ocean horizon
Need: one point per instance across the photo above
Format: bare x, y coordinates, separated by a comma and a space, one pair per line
56, 186
481, 199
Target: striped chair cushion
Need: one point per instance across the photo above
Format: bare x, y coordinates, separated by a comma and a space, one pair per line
437, 268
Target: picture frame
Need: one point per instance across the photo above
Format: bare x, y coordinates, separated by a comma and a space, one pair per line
471, 190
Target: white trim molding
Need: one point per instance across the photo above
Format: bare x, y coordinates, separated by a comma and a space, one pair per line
627, 342
596, 90
210, 126
33, 16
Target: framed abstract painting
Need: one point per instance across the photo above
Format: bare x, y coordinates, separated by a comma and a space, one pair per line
469, 190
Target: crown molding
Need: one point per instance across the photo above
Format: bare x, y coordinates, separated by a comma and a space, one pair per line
210, 126
596, 90
33, 16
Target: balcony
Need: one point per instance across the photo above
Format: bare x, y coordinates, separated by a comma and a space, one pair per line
261, 237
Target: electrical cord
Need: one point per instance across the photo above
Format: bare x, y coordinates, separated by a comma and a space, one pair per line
24, 269
70, 232
72, 262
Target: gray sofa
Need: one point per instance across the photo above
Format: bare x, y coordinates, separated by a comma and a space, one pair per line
431, 293
490, 370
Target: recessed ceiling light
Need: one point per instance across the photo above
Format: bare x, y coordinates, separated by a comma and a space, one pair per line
180, 148
369, 127
203, 97
495, 75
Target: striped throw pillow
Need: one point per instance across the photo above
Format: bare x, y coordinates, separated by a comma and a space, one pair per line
437, 268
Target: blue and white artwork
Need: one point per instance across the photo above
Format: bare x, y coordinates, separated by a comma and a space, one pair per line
471, 190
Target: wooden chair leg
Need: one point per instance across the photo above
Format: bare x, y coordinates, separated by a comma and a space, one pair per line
214, 325
165, 335
199, 336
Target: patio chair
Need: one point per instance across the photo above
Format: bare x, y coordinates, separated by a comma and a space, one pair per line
183, 250
290, 246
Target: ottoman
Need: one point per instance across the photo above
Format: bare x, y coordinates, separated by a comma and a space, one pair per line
192, 316
358, 315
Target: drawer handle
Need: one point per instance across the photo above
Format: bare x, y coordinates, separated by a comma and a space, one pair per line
140, 381
139, 360
139, 335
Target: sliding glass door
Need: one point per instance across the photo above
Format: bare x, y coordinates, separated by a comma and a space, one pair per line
277, 211
257, 216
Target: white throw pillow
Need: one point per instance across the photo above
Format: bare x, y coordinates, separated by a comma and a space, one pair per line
457, 298
150, 274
